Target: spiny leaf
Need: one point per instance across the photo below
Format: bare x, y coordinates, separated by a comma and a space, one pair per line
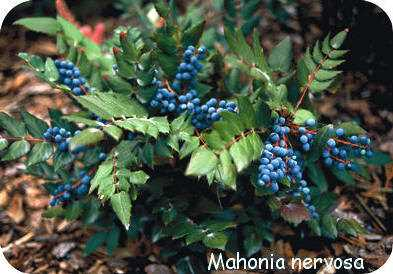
87, 137
202, 162
104, 170
281, 56
16, 150
3, 144
35, 126
192, 35
138, 177
40, 153
215, 240
51, 72
13, 127
121, 204
339, 39
302, 115
46, 25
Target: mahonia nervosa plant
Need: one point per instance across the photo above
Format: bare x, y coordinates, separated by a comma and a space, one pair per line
165, 145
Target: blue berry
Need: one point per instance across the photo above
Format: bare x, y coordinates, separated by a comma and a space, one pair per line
102, 156
311, 122
71, 77
331, 143
339, 132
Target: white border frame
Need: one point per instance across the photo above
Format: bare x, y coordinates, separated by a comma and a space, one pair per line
8, 5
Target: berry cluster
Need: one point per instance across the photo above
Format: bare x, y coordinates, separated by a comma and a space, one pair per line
279, 163
163, 99
167, 101
204, 116
59, 136
66, 192
189, 68
70, 76
339, 148
306, 134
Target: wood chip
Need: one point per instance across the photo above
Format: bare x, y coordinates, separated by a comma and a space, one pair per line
158, 269
15, 210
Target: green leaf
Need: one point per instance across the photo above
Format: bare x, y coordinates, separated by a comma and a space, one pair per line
215, 240
104, 171
326, 48
302, 115
112, 240
244, 151
51, 72
280, 58
119, 85
314, 227
40, 153
82, 118
246, 112
45, 25
73, 211
94, 242
16, 150
61, 159
35, 126
339, 39
227, 170
351, 227
352, 128
53, 212
195, 236
70, 31
189, 146
237, 43
162, 8
317, 86
344, 176
113, 131
258, 53
86, 137
192, 35
33, 60
121, 204
263, 114
378, 158
3, 144
320, 142
106, 188
302, 72
111, 105
152, 126
317, 177
325, 75
252, 243
202, 162
329, 226
13, 127
138, 177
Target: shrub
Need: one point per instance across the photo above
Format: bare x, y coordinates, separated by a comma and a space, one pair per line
194, 147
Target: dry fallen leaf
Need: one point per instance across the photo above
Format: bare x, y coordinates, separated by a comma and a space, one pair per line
4, 198
389, 174
158, 269
62, 249
15, 210
295, 213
